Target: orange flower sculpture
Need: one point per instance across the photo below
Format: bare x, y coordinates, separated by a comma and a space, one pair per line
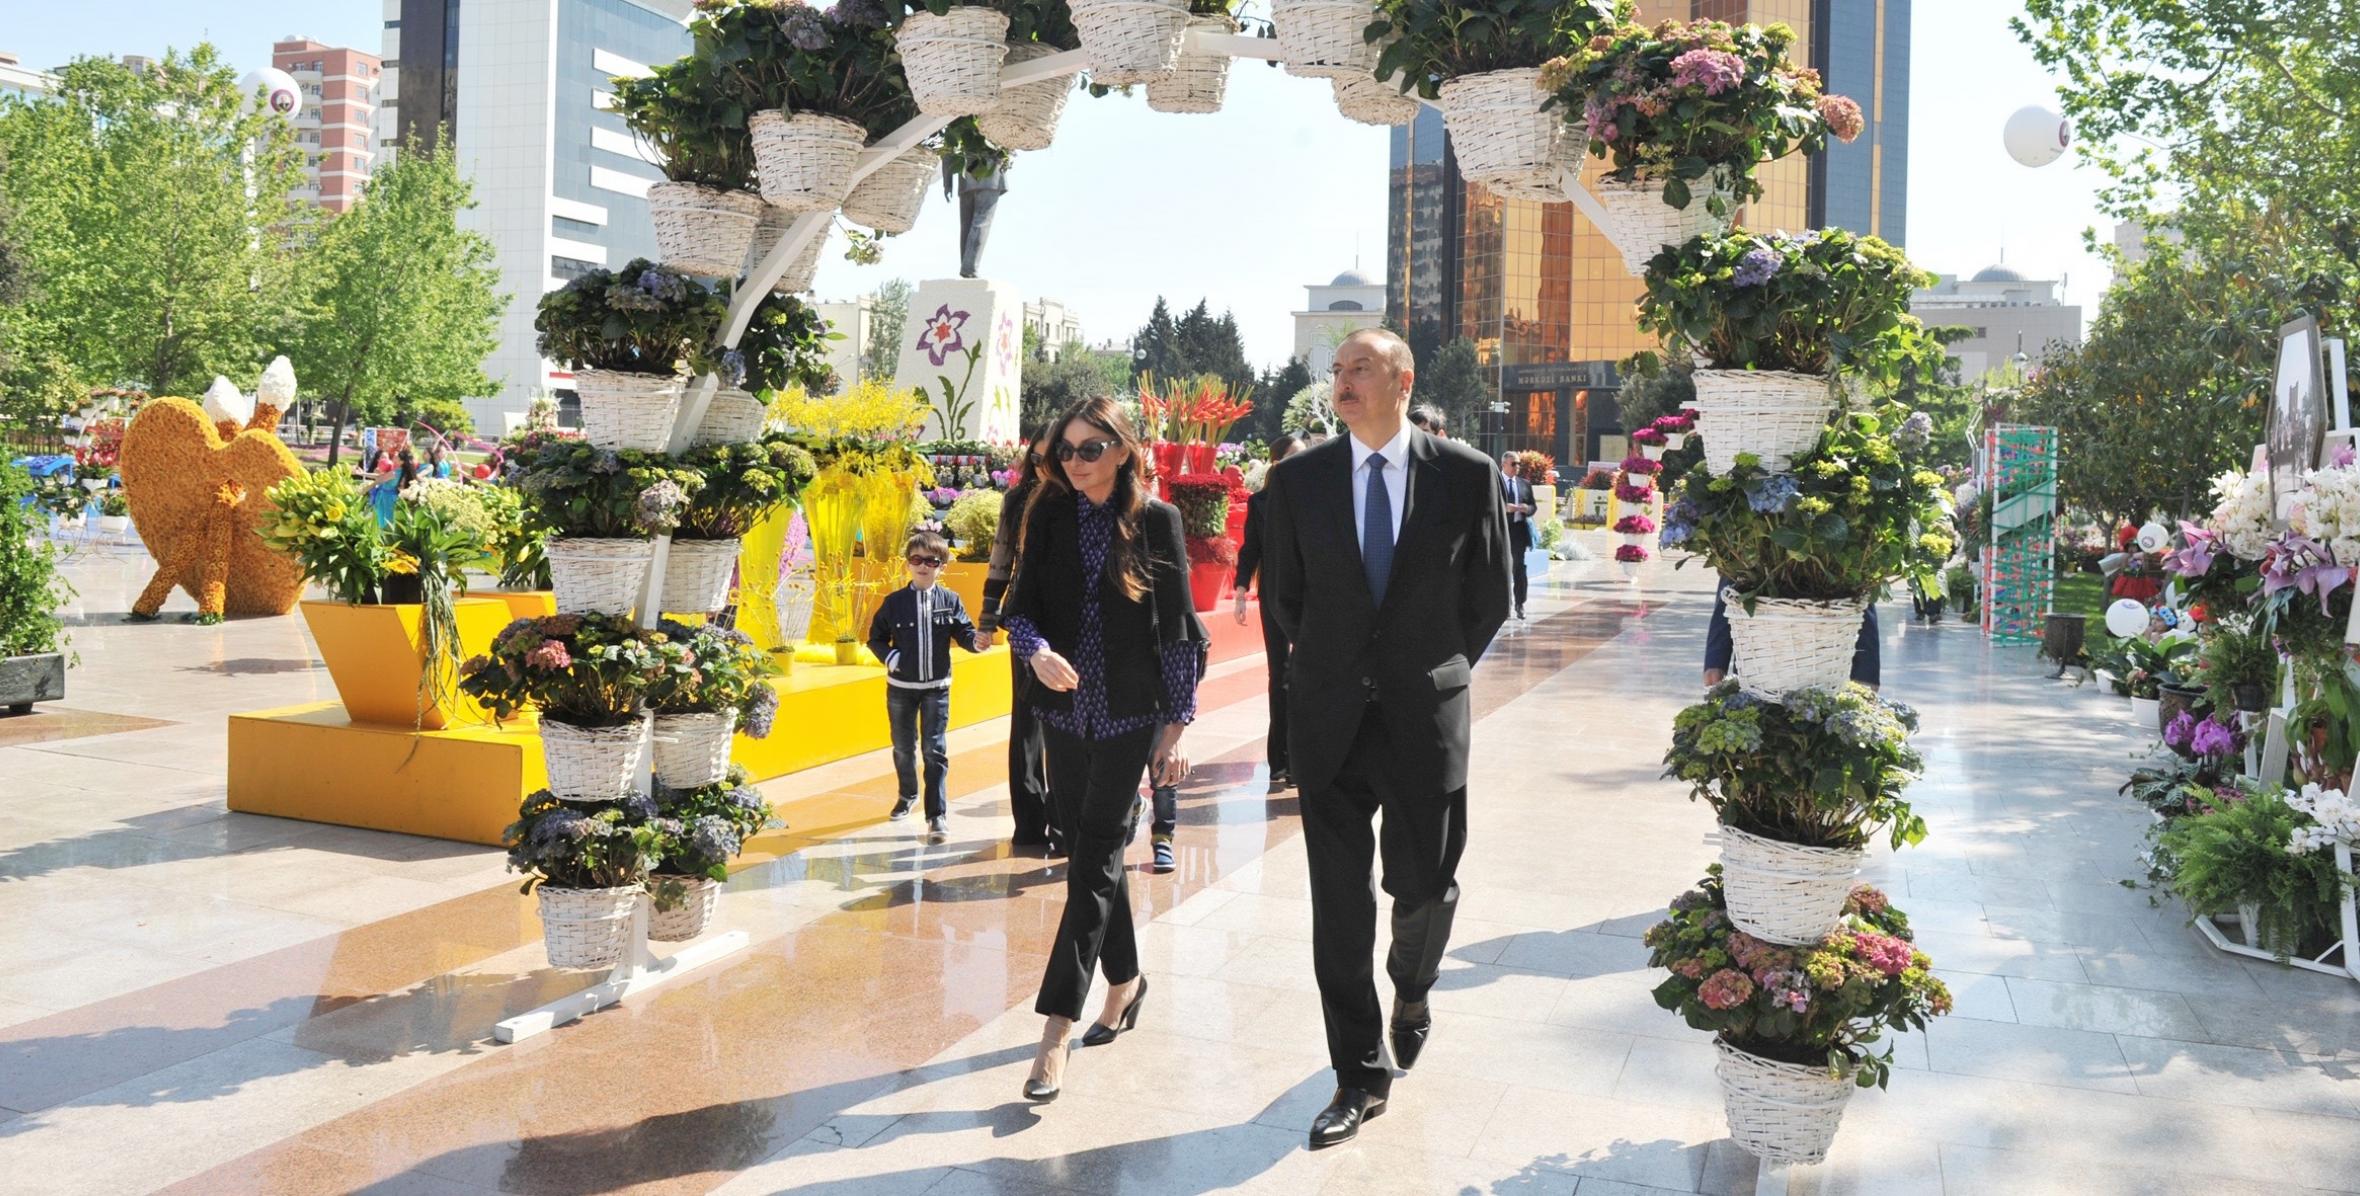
191, 475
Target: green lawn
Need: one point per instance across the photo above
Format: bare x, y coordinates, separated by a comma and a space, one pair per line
2083, 594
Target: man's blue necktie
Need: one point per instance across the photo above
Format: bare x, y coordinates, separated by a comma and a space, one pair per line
1376, 530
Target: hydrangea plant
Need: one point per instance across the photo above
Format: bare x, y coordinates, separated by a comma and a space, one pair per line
642, 318
573, 845
717, 670
1822, 768
587, 670
576, 488
1811, 302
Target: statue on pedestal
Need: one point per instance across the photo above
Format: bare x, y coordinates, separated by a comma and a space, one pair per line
979, 188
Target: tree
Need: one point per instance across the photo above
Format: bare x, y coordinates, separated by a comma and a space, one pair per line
1156, 348
889, 318
404, 304
1278, 385
1078, 372
1453, 379
157, 208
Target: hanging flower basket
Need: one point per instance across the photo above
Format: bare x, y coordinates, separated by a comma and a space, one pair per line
1196, 82
1641, 224
1130, 41
804, 162
1322, 38
622, 410
586, 928
597, 576
689, 911
693, 749
1027, 116
1503, 138
1780, 1112
952, 61
703, 230
1363, 98
1790, 643
696, 576
1784, 893
731, 417
801, 272
796, 594
888, 200
592, 763
1773, 414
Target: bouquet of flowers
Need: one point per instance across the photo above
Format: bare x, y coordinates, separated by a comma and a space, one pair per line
1626, 490
1640, 466
1631, 554
1648, 437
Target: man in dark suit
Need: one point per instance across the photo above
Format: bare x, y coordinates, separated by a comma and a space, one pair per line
1387, 570
1516, 495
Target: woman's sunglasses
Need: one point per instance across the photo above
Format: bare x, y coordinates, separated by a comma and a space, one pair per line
1089, 450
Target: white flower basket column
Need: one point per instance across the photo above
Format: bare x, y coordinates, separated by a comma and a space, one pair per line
696, 575
586, 928
1788, 644
804, 269
1322, 38
597, 576
804, 162
1027, 116
623, 410
700, 229
1640, 224
1196, 82
685, 918
889, 199
692, 749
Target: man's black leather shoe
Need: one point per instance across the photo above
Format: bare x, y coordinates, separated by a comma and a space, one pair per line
1340, 1121
1410, 1024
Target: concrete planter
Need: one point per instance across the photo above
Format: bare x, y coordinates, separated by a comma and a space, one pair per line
25, 680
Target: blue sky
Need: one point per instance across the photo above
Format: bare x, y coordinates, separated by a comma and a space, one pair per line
1248, 206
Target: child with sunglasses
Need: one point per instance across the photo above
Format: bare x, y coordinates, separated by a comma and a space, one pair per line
913, 633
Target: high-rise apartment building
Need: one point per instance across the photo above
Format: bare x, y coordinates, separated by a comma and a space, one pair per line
1545, 297
337, 124
524, 91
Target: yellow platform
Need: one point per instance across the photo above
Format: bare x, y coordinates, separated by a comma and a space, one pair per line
313, 763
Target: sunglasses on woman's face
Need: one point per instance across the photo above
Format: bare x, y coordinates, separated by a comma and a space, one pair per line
925, 562
1089, 450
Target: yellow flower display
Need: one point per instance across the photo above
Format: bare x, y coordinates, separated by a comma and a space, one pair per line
188, 486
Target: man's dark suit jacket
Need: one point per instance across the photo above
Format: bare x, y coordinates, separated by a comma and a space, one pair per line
1519, 529
1447, 596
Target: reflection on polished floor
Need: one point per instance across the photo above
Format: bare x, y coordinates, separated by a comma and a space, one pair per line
194, 1001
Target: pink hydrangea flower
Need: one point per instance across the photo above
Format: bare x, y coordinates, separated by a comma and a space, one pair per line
1715, 71
1725, 989
1843, 116
550, 657
1883, 952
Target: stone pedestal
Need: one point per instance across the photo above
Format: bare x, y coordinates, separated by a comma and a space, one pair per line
948, 318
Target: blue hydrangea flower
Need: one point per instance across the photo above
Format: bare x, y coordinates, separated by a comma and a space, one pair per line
1679, 523
709, 839
761, 710
733, 368
1915, 431
1758, 266
1771, 495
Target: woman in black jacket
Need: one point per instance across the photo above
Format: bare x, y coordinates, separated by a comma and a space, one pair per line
1028, 772
1100, 612
1274, 641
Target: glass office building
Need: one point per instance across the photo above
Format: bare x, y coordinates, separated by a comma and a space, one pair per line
1545, 297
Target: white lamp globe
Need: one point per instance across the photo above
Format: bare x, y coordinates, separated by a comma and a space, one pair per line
2126, 618
2036, 135
275, 91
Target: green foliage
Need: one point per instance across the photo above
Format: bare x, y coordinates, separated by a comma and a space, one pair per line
1197, 343
1203, 499
785, 344
889, 315
2156, 663
1813, 303
586, 670
323, 521
2237, 853
713, 821
1076, 373
721, 671
2173, 787
1430, 42
1454, 381
973, 520
741, 483
573, 488
1823, 1004
513, 541
642, 318
447, 416
1825, 768
695, 123
30, 589
1654, 385
779, 54
576, 845
957, 405
2237, 654
1045, 21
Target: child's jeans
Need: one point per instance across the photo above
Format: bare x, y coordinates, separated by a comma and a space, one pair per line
907, 709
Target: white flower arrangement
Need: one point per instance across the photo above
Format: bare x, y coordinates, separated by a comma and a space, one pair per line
2328, 510
2335, 815
2242, 517
1255, 473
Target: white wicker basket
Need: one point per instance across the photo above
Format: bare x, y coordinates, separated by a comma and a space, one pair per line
1504, 140
804, 162
586, 928
623, 410
693, 749
888, 200
796, 594
1364, 99
1780, 1112
798, 276
1321, 38
1641, 224
592, 763
1130, 41
1789, 643
953, 61
1784, 893
1773, 414
1027, 116
597, 576
686, 919
702, 230
732, 417
696, 576
1196, 82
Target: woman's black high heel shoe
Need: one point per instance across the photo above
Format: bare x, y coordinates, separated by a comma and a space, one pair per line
1099, 1035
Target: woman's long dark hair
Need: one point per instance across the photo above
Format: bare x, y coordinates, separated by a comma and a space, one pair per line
1127, 558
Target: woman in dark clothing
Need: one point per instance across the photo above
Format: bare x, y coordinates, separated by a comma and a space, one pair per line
1028, 774
1274, 641
1100, 613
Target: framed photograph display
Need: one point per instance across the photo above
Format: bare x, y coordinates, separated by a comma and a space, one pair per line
2298, 413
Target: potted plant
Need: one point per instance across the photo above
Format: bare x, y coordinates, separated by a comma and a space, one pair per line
1203, 499
1325, 39
2264, 860
1631, 556
589, 676
114, 512
2239, 667
600, 510
1130, 41
704, 214
741, 483
1794, 1026
1650, 442
1635, 528
1799, 553
785, 345
715, 687
1777, 315
816, 84
1686, 111
1675, 428
624, 333
1483, 63
1799, 786
587, 864
706, 827
2153, 662
1198, 80
32, 639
